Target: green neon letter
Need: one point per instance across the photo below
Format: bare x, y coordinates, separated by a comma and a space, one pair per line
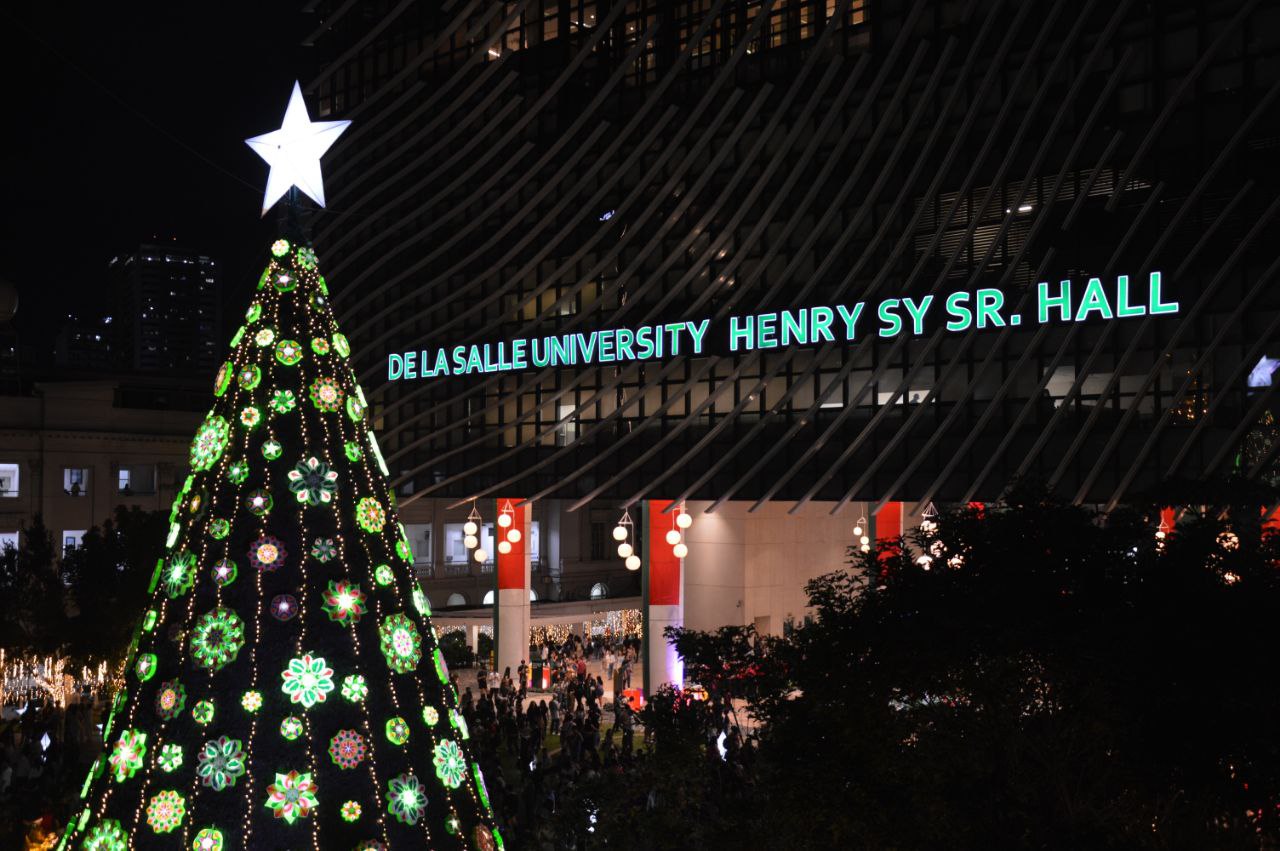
1095, 298
1062, 301
1158, 306
892, 324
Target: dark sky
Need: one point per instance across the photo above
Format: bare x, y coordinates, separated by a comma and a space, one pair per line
126, 121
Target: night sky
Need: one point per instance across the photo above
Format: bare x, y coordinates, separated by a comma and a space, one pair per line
125, 122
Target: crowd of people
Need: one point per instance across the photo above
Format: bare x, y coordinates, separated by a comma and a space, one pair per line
537, 745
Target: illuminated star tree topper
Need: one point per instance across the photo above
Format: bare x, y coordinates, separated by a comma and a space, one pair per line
294, 151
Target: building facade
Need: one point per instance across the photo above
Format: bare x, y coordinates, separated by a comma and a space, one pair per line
167, 310
1095, 183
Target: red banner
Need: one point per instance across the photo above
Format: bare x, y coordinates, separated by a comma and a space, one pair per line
664, 567
511, 565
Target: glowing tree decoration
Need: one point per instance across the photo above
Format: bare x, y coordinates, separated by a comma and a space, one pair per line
278, 692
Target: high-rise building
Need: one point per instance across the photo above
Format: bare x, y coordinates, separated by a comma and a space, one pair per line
167, 311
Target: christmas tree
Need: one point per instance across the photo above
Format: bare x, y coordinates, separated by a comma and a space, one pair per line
285, 688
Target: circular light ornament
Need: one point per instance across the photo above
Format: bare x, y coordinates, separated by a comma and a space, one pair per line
202, 712
313, 481
673, 537
289, 352
320, 345
210, 441
271, 449
451, 765
238, 473
307, 680
354, 688
351, 811
251, 417
625, 550
326, 395
107, 835
259, 502
344, 602
169, 758
219, 528
208, 839
684, 520
166, 810
864, 540
633, 562
251, 701
504, 547
355, 409
254, 313
171, 699
406, 799
324, 550
223, 379
216, 639
619, 533
470, 542
470, 528
127, 755
264, 337
224, 572
307, 259
680, 551
280, 247
397, 731
249, 376
857, 531
284, 607
401, 643
352, 450
370, 515
180, 575
481, 556
347, 749
292, 796
283, 401
291, 728
267, 554
430, 716
382, 575
504, 520
145, 667
514, 536
285, 282
340, 344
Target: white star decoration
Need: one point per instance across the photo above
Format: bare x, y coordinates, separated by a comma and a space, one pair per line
294, 151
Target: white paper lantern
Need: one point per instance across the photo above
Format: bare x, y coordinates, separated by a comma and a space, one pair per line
684, 520
864, 540
633, 562
504, 520
857, 531
470, 542
482, 556
619, 533
680, 550
673, 537
625, 550
513, 535
504, 547
470, 528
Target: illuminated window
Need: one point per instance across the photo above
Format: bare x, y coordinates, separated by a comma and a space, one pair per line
456, 599
599, 591
8, 480
72, 538
75, 480
8, 539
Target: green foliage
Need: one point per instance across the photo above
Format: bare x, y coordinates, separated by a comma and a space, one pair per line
1068, 681
31, 596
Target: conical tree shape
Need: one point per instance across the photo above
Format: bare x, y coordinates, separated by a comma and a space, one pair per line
285, 689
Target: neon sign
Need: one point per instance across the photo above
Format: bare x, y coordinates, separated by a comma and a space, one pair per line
807, 326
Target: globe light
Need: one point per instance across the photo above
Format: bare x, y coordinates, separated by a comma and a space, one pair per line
504, 520
481, 556
633, 562
680, 550
866, 548
625, 550
619, 533
857, 531
504, 547
470, 528
513, 535
684, 520
925, 562
470, 542
864, 540
673, 537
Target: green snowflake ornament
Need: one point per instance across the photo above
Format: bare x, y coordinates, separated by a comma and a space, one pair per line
166, 811
352, 449
238, 473
307, 680
219, 528
292, 796
250, 417
169, 758
289, 352
451, 765
397, 731
249, 376
370, 515
271, 449
217, 638
291, 728
313, 481
326, 394
382, 575
127, 755
210, 440
107, 835
283, 401
180, 575
202, 713
320, 345
354, 688
401, 643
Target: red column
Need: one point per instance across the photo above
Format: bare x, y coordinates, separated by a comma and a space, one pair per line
511, 606
664, 605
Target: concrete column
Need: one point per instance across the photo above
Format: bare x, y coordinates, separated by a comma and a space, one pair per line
511, 609
663, 601
473, 638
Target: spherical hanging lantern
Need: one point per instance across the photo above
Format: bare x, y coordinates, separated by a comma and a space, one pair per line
514, 536
504, 520
864, 540
680, 550
481, 556
866, 548
684, 520
504, 547
470, 528
633, 562
625, 550
673, 537
470, 542
857, 531
619, 533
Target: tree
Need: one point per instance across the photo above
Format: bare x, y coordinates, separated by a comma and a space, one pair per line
33, 613
284, 686
1027, 675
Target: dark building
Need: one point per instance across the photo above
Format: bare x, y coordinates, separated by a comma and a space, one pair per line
167, 310
523, 170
